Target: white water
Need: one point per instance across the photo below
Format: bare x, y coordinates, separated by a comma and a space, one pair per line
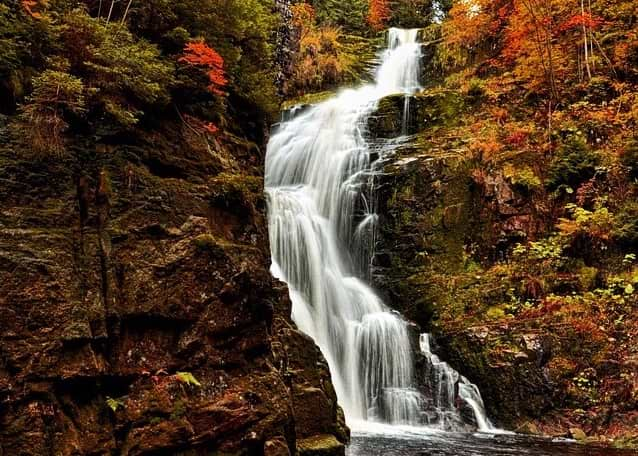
448, 390
322, 222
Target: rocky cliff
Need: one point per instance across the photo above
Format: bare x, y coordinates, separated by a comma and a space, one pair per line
543, 321
137, 312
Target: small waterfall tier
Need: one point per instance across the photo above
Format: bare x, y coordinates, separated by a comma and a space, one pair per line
319, 180
451, 396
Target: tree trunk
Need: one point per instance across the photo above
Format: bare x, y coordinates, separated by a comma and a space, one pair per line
582, 11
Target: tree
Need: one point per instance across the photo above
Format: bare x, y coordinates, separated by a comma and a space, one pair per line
198, 53
349, 15
379, 13
55, 95
125, 74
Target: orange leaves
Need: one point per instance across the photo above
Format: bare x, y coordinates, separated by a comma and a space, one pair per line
471, 22
579, 20
29, 6
303, 16
198, 53
378, 13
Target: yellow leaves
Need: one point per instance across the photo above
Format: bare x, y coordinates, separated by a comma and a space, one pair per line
597, 224
303, 17
321, 59
187, 378
567, 227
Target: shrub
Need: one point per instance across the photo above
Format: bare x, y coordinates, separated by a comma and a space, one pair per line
125, 74
629, 158
573, 164
55, 95
626, 225
522, 178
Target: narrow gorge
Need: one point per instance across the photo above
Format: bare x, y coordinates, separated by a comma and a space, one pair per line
318, 228
321, 173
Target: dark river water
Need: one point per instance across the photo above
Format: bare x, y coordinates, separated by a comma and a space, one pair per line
432, 443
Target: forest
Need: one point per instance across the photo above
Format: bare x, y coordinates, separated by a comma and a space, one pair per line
150, 304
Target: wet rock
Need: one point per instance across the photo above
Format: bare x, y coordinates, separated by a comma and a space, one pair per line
101, 309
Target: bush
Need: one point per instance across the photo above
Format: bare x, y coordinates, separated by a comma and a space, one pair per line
629, 158
573, 164
626, 226
126, 74
56, 95
350, 15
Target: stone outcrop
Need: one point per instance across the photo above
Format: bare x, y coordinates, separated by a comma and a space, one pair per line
448, 225
137, 312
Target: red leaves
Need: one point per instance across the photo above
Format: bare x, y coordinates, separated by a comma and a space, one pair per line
579, 20
211, 128
198, 53
517, 139
378, 13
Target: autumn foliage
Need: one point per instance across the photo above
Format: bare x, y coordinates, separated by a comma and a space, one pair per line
378, 14
29, 6
198, 53
303, 17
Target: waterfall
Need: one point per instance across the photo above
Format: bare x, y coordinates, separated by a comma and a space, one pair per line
321, 212
449, 390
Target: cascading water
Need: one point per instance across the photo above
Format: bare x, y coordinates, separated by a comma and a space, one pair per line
322, 223
448, 392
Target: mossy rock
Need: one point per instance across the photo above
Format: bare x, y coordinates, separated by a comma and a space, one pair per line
425, 109
320, 445
312, 98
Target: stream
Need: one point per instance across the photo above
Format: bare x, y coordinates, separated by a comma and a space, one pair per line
420, 442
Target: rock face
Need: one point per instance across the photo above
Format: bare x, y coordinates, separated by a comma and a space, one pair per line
444, 259
137, 312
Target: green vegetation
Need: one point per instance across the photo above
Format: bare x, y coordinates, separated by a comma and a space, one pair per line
187, 378
115, 404
110, 70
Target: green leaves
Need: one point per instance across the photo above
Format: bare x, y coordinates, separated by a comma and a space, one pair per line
573, 164
57, 90
126, 73
114, 404
187, 378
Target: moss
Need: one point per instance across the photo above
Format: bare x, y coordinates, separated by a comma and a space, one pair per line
495, 313
235, 192
437, 106
308, 99
320, 445
179, 409
629, 442
387, 120
206, 243
523, 178
587, 277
